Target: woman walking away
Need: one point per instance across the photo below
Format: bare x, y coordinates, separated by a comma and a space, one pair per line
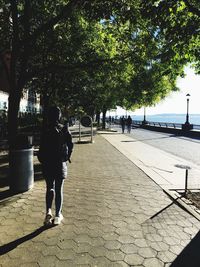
123, 123
54, 152
129, 123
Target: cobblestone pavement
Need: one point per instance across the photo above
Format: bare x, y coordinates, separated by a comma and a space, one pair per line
114, 215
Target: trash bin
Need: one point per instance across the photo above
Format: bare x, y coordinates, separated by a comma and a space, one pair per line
21, 172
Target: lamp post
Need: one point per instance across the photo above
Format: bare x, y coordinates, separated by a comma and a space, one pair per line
144, 120
187, 114
187, 126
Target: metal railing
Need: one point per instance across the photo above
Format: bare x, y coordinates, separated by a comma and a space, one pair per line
196, 127
159, 124
164, 124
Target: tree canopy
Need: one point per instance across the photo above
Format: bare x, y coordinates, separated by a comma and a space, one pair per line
94, 55
178, 22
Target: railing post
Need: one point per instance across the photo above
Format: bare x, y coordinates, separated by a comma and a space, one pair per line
186, 182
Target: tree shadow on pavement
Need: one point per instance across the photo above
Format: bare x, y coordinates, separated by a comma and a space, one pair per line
190, 255
13, 244
109, 133
3, 159
149, 139
38, 172
4, 181
5, 194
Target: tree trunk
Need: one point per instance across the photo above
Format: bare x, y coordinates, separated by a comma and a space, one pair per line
104, 119
45, 99
13, 108
98, 118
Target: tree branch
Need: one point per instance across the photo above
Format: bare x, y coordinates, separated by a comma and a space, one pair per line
65, 12
15, 43
192, 8
77, 66
26, 43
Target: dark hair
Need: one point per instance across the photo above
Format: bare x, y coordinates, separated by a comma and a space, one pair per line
54, 114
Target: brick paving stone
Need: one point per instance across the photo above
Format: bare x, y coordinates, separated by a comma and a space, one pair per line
97, 251
112, 245
120, 264
49, 261
146, 253
67, 244
82, 248
65, 263
141, 243
82, 238
83, 258
159, 246
4, 259
166, 256
110, 236
31, 264
133, 259
65, 254
129, 249
98, 241
126, 239
114, 215
170, 241
175, 249
115, 255
153, 262
102, 262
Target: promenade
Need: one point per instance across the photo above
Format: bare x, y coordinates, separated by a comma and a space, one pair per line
163, 167
115, 214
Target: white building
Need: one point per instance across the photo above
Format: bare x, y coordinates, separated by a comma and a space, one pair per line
3, 100
30, 102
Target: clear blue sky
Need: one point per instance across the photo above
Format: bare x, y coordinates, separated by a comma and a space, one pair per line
176, 101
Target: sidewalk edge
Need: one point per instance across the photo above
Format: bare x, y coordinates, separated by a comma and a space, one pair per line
187, 207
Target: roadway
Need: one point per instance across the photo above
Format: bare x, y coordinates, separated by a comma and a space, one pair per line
162, 156
183, 147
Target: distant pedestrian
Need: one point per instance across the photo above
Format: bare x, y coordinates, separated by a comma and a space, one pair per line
54, 152
129, 123
123, 123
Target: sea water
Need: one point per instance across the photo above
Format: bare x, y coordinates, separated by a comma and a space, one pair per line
170, 118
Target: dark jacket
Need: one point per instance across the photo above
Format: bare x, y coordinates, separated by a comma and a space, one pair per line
55, 149
129, 121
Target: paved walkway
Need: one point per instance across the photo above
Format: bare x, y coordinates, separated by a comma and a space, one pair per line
163, 167
115, 215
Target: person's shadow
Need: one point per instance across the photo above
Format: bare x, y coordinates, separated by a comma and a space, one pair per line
13, 244
190, 255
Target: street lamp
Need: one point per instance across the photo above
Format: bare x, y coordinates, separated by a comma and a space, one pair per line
187, 126
144, 120
187, 114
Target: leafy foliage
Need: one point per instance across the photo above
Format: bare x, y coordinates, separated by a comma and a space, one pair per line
90, 56
178, 24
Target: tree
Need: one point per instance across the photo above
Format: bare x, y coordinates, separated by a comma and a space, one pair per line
177, 23
107, 60
23, 25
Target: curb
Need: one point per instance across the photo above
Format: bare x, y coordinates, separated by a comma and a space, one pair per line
182, 202
155, 177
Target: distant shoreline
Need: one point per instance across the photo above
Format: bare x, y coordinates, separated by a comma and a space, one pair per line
169, 117
169, 114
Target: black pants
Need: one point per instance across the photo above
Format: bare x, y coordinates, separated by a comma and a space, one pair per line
54, 187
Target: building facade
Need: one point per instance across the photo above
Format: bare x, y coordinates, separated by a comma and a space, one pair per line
30, 101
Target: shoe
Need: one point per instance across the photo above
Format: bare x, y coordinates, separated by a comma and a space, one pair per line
48, 219
58, 219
